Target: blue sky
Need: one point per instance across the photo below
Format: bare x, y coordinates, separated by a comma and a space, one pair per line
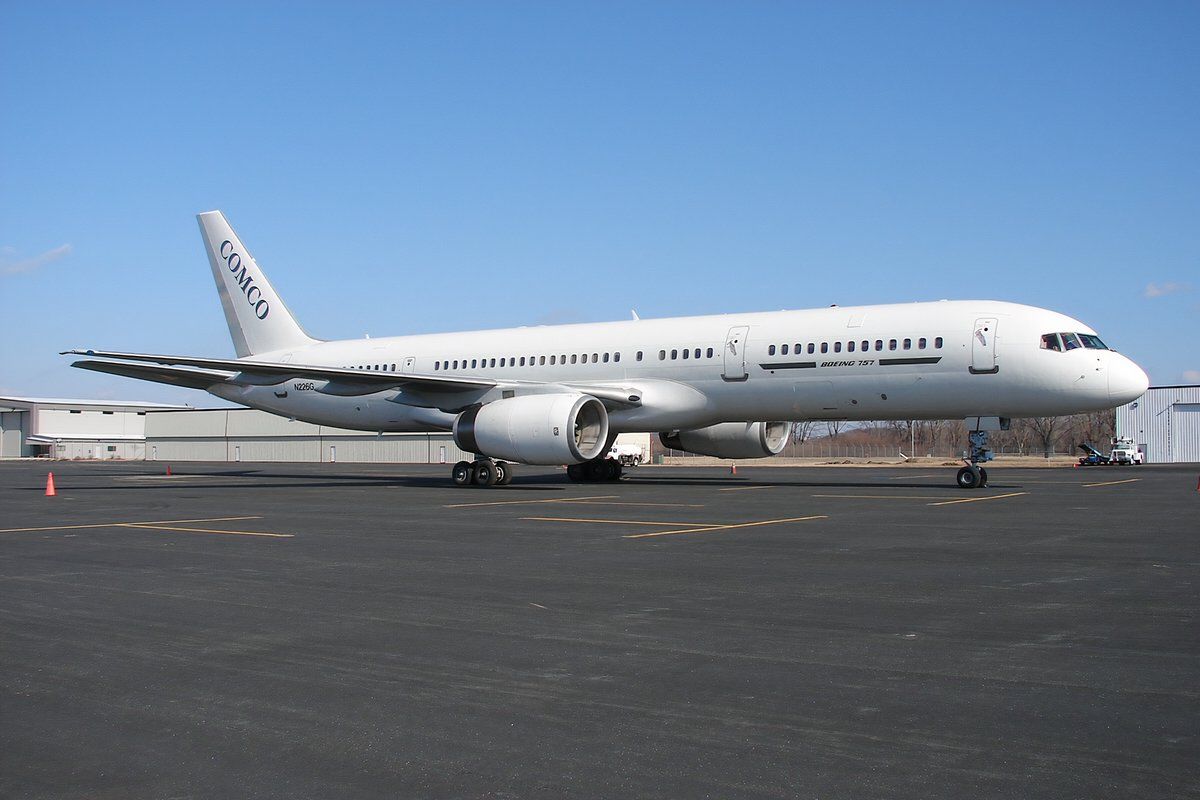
405, 168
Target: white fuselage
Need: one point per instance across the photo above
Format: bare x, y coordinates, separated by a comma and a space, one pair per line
911, 361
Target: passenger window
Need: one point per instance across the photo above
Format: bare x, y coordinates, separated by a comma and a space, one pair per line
436, 364
891, 344
686, 353
812, 348
493, 362
1050, 342
784, 350
879, 344
639, 355
697, 352
573, 357
771, 350
605, 358
709, 352
866, 345
616, 357
908, 344
921, 343
662, 355
824, 347
553, 360
850, 347
837, 347
456, 363
595, 357
674, 354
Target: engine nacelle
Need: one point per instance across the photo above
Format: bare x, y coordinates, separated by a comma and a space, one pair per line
732, 439
535, 429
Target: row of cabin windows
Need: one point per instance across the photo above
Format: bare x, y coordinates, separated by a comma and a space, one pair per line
532, 361
375, 367
864, 346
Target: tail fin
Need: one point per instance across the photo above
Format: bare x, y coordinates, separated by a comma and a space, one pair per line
258, 320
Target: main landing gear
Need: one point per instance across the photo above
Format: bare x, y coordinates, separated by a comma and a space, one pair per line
482, 472
595, 471
973, 476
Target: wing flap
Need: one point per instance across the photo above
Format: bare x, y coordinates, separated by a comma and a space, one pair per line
251, 368
176, 376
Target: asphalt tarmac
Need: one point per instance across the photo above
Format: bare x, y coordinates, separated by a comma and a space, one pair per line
288, 630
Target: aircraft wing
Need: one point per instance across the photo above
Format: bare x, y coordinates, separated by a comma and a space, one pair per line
267, 373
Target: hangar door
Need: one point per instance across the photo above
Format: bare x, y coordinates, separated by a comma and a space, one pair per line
1185, 432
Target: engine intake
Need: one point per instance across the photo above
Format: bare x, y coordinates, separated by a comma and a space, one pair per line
535, 429
732, 439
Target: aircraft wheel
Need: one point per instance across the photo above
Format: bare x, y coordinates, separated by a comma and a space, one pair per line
968, 478
576, 473
485, 474
595, 470
504, 473
462, 474
612, 470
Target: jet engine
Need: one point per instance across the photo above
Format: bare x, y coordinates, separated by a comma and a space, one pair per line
732, 439
535, 429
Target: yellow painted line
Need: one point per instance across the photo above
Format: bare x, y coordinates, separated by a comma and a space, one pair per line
744, 488
145, 527
883, 496
655, 505
613, 521
1113, 483
977, 499
526, 502
119, 524
712, 528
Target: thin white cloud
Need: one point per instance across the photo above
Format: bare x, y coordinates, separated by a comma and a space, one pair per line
1162, 289
1191, 376
11, 265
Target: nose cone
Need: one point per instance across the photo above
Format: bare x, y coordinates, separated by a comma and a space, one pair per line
1126, 381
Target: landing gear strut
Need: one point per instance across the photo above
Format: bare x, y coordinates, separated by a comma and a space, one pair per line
483, 472
596, 470
974, 476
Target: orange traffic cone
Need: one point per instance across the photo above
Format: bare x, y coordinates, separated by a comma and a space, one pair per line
168, 469
50, 492
733, 469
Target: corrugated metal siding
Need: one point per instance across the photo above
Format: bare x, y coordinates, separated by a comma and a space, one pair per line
1164, 424
184, 449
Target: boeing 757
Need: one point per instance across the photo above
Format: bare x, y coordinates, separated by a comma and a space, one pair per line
727, 385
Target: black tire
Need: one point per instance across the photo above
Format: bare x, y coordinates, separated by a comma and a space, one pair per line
595, 471
462, 474
612, 470
485, 474
982, 477
504, 473
576, 473
968, 478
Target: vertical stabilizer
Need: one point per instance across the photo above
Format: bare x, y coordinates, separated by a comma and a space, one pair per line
258, 320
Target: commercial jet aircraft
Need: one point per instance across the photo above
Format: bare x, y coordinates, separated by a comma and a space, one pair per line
726, 385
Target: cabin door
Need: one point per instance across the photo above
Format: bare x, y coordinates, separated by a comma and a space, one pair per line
983, 347
735, 353
410, 364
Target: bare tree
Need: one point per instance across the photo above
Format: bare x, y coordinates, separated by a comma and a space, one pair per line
833, 427
802, 431
1046, 431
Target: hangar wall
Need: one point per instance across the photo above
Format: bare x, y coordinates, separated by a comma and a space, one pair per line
243, 434
1165, 423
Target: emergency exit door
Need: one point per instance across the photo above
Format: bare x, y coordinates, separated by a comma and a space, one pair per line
735, 353
983, 347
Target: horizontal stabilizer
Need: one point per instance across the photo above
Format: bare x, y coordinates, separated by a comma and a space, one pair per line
176, 376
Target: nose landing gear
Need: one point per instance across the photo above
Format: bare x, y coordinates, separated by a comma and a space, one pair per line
973, 476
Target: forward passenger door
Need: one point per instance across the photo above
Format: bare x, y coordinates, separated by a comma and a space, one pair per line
735, 353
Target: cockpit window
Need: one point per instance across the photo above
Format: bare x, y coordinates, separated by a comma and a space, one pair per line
1092, 342
1071, 341
1050, 342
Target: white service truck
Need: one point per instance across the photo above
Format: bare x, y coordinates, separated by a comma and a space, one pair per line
629, 455
1124, 452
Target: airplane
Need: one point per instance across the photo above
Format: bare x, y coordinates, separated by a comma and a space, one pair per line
727, 385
